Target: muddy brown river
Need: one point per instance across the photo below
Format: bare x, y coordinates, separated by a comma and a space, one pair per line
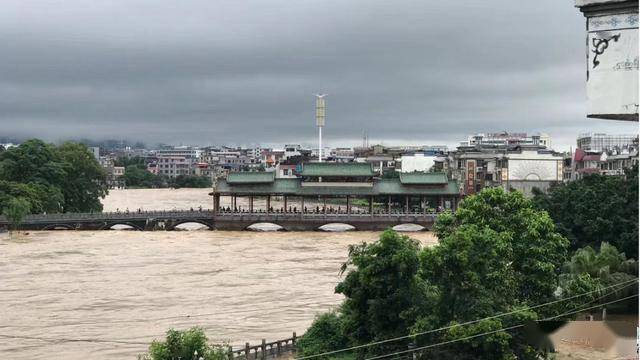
121, 289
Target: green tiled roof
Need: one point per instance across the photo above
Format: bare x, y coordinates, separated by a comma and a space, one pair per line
395, 187
293, 187
250, 177
278, 186
337, 169
423, 178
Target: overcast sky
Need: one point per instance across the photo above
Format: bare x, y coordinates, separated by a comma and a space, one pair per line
244, 72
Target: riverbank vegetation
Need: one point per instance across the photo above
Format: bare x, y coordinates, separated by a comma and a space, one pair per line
498, 254
187, 344
51, 178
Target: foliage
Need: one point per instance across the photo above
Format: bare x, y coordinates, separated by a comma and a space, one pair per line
66, 178
84, 181
16, 210
189, 181
596, 209
496, 254
383, 294
126, 161
591, 270
134, 176
538, 250
41, 197
184, 345
390, 174
325, 334
472, 267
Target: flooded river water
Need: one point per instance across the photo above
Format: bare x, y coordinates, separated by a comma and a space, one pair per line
122, 289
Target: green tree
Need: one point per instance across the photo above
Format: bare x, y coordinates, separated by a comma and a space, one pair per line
65, 178
185, 345
16, 210
383, 294
538, 249
325, 334
496, 254
596, 209
473, 269
126, 161
134, 176
597, 271
190, 181
41, 197
32, 162
85, 181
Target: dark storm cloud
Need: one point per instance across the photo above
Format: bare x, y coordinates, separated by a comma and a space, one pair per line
241, 72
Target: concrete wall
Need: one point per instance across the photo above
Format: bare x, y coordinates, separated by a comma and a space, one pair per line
526, 186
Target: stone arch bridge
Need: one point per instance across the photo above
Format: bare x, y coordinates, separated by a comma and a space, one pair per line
169, 220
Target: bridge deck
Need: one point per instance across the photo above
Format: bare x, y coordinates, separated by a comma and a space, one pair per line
168, 220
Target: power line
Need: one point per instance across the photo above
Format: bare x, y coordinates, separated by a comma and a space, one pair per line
492, 332
627, 283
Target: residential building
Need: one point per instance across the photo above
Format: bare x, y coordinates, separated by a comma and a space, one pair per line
173, 166
508, 139
603, 142
519, 167
607, 162
180, 151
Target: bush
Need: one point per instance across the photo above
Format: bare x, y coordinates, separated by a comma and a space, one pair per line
325, 334
185, 345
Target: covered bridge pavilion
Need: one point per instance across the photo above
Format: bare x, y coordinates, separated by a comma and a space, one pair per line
341, 183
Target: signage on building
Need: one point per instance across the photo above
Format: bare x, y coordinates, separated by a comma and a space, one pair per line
471, 177
612, 66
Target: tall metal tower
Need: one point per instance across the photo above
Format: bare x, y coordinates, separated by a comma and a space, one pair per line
320, 121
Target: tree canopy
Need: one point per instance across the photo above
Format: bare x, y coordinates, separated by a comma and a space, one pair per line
596, 209
64, 178
496, 254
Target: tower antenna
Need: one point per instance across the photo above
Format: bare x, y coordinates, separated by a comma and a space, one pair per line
320, 113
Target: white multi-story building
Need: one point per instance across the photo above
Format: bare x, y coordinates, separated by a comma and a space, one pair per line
521, 167
173, 166
604, 142
180, 151
505, 139
416, 162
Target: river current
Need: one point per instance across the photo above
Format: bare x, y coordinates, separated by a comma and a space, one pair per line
119, 290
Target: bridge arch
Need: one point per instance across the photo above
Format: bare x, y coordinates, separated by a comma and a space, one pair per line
337, 227
173, 226
533, 176
109, 226
409, 227
265, 226
58, 227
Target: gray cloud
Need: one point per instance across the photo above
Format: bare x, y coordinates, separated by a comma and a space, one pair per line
243, 72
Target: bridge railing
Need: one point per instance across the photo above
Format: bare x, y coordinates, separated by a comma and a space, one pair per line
195, 214
266, 350
117, 215
324, 215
